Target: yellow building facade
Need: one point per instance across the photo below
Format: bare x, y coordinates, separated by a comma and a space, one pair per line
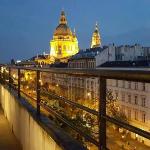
44, 60
64, 43
96, 39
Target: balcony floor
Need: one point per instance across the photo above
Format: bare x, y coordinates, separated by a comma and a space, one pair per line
7, 139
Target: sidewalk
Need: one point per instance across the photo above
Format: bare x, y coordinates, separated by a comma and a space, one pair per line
7, 140
115, 142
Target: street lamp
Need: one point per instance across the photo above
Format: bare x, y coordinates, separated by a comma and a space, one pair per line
88, 94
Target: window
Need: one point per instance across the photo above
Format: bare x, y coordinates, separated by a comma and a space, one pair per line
87, 84
123, 96
129, 114
143, 101
136, 100
59, 50
129, 84
129, 98
136, 115
143, 117
143, 87
92, 85
64, 47
123, 83
136, 85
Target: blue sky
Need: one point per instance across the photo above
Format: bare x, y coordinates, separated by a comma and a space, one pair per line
26, 26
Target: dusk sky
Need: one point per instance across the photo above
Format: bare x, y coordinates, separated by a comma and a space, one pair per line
27, 26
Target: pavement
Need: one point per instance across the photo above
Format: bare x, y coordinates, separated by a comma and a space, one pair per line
115, 142
7, 139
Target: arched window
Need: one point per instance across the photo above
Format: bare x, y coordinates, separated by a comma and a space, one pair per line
64, 47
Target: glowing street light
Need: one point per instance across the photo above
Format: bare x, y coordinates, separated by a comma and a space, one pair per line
88, 94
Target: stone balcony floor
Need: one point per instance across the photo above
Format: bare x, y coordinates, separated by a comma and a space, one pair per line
7, 139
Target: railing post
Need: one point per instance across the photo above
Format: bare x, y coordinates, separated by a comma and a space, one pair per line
9, 75
102, 111
38, 91
19, 81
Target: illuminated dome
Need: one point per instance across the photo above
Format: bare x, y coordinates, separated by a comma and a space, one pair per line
62, 28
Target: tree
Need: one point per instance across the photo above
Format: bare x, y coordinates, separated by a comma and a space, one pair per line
113, 108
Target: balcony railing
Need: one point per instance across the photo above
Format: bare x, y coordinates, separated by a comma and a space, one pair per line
28, 82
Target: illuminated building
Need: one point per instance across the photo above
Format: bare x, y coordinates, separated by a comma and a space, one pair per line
64, 43
44, 59
96, 40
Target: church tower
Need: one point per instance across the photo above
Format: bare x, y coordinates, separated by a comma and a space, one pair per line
96, 40
64, 43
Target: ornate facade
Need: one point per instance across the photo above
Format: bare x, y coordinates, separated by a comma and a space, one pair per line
64, 43
96, 40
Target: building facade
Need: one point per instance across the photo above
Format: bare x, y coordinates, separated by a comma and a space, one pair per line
133, 98
123, 53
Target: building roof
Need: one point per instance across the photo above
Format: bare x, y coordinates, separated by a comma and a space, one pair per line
43, 56
139, 63
59, 65
87, 53
23, 63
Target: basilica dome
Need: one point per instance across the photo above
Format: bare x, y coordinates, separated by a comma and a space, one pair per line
62, 29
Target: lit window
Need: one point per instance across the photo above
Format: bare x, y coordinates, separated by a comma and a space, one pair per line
64, 47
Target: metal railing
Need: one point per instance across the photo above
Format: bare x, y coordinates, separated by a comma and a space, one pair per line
139, 75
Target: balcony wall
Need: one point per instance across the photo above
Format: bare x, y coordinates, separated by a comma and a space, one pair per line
30, 134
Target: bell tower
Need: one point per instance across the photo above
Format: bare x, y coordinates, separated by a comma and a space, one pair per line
96, 39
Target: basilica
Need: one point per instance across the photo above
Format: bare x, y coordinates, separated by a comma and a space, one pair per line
64, 43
